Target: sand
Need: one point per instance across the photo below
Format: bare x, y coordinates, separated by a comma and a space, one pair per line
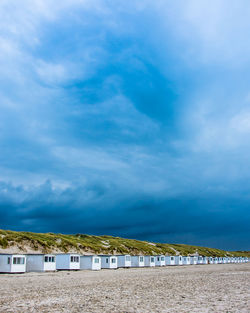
196, 288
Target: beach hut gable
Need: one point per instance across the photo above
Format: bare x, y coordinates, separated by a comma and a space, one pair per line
170, 260
160, 260
149, 260
186, 260
124, 261
109, 261
137, 261
41, 262
68, 261
12, 263
90, 262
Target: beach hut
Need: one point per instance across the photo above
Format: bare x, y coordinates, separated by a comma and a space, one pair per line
210, 260
90, 262
124, 261
224, 260
186, 260
12, 263
40, 262
220, 261
137, 261
160, 260
67, 261
108, 261
170, 260
149, 260
215, 260
200, 260
205, 260
178, 260
193, 259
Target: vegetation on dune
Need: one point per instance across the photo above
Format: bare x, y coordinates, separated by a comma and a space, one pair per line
49, 242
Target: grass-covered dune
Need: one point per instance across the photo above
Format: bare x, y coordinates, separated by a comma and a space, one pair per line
27, 242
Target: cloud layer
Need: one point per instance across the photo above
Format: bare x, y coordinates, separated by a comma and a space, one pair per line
127, 119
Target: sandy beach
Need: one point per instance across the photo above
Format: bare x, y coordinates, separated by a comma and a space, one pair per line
199, 288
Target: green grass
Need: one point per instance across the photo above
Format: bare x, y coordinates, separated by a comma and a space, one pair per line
49, 242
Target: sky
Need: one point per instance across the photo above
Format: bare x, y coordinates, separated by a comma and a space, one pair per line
126, 118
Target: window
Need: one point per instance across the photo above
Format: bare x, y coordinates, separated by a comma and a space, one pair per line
107, 260
96, 260
152, 260
158, 259
162, 258
18, 260
180, 258
113, 260
8, 261
141, 259
74, 259
51, 259
172, 258
127, 258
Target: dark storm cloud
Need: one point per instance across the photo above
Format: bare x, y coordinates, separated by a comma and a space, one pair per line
126, 119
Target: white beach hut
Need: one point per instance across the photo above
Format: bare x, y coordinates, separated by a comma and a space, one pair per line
215, 260
40, 262
137, 261
194, 259
220, 260
178, 260
67, 261
205, 260
170, 260
186, 260
160, 260
90, 262
200, 259
149, 260
12, 263
210, 260
109, 261
124, 260
224, 260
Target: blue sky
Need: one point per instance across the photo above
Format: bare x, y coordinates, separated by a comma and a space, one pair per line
127, 118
